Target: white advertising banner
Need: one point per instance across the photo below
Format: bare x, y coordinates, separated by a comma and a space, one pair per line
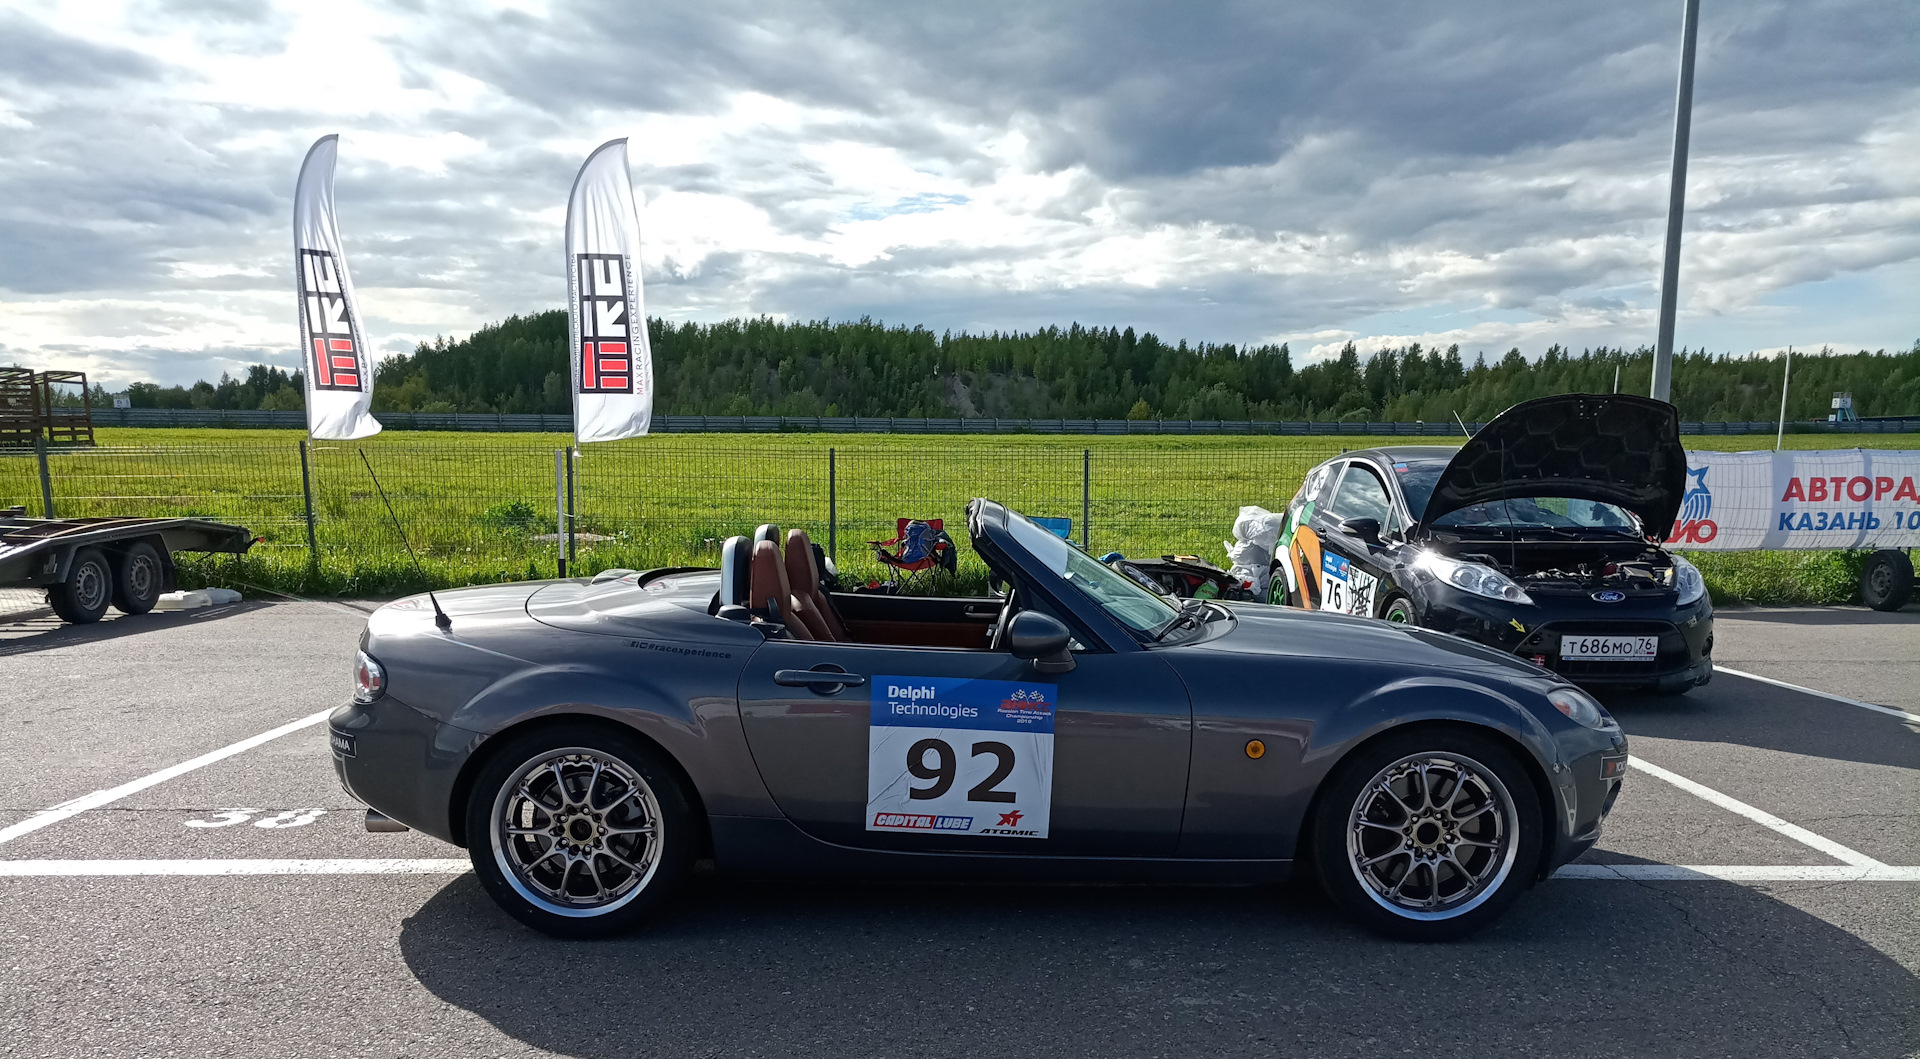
334, 352
612, 363
1842, 498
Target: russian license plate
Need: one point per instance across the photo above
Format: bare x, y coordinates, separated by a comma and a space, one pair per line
1610, 648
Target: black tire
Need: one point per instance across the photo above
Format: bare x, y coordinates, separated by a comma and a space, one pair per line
84, 595
1478, 888
1398, 609
1886, 580
138, 576
518, 872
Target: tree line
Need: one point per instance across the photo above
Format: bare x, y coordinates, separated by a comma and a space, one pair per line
763, 366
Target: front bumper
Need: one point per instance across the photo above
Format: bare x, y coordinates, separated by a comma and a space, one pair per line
400, 762
1683, 659
1587, 778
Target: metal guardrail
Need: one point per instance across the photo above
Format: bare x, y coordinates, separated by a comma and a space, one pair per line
563, 424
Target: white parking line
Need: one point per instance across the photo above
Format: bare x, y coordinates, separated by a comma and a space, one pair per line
1764, 819
1736, 873
1739, 872
1888, 710
76, 806
422, 866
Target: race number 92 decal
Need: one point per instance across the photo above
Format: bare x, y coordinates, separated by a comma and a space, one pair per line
1345, 587
960, 757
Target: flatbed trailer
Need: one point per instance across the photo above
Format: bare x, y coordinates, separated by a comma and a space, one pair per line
85, 564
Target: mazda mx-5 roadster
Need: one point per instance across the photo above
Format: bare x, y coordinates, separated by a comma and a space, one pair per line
589, 740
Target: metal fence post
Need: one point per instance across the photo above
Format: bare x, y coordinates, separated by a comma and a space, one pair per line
1086, 496
46, 479
560, 508
572, 455
306, 492
833, 509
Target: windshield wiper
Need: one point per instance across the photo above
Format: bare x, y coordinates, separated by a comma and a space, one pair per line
1189, 617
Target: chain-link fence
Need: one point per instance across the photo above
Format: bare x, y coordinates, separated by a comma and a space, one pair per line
489, 510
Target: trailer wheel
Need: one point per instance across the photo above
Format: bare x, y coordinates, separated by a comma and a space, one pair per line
84, 595
1886, 581
137, 575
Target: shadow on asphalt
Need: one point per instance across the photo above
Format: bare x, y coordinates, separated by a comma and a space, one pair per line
43, 632
778, 968
1743, 712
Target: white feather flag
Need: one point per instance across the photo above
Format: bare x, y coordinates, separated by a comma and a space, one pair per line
334, 352
612, 362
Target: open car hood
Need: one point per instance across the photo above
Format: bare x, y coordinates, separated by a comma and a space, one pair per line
1613, 448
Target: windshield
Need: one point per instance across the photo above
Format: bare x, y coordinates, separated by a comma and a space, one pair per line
1417, 479
1539, 512
1128, 603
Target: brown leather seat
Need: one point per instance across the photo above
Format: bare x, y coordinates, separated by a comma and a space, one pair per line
772, 599
803, 577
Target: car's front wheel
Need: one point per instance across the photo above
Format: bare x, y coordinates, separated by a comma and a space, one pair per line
579, 831
1428, 835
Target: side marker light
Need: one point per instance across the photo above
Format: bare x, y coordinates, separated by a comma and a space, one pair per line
1256, 749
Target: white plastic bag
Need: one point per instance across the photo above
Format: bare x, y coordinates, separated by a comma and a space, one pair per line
1258, 531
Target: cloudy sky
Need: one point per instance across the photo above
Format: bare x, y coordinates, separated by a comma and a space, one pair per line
1492, 174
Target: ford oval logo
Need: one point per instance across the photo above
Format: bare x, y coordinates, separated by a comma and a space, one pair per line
1609, 595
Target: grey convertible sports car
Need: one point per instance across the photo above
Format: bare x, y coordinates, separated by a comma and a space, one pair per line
589, 740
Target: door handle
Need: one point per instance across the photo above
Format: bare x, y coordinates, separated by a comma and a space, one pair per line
817, 678
982, 613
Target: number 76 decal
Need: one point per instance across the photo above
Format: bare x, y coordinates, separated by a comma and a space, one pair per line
286, 818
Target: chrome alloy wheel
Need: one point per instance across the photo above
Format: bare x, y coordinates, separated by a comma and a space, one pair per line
1432, 836
577, 832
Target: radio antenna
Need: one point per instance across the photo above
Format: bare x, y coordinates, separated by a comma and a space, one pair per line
1463, 426
439, 616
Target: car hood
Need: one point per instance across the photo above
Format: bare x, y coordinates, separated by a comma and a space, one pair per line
1262, 629
1613, 448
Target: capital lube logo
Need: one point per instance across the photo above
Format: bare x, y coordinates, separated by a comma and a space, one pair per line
606, 350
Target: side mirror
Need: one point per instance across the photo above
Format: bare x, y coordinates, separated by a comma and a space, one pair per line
1366, 529
1041, 639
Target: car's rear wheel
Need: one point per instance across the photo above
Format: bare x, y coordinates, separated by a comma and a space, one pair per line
84, 595
137, 575
1427, 836
579, 831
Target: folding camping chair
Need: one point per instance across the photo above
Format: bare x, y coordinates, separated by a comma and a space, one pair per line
918, 546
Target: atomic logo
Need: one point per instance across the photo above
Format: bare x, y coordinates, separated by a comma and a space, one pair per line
329, 320
606, 352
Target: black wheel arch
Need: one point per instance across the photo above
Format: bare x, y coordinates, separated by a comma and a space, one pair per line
463, 781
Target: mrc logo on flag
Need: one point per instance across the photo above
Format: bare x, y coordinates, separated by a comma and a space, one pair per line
329, 320
606, 351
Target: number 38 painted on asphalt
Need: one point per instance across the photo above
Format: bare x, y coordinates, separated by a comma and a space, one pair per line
288, 818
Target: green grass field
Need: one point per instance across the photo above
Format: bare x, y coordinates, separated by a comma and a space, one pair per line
477, 506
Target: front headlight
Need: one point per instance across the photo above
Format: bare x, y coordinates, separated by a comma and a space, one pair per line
1687, 581
1581, 709
1476, 578
369, 680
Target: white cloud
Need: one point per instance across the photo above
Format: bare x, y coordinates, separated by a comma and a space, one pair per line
1474, 174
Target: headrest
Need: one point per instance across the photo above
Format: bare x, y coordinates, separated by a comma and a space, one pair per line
767, 532
736, 562
801, 569
769, 581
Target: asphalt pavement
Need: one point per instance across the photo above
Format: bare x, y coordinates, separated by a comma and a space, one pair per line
1756, 894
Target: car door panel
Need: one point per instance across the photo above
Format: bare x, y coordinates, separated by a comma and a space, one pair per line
1121, 741
1353, 578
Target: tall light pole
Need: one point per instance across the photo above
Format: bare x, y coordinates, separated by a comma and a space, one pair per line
1676, 206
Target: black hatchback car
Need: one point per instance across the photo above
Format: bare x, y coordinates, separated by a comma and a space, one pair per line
1540, 536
